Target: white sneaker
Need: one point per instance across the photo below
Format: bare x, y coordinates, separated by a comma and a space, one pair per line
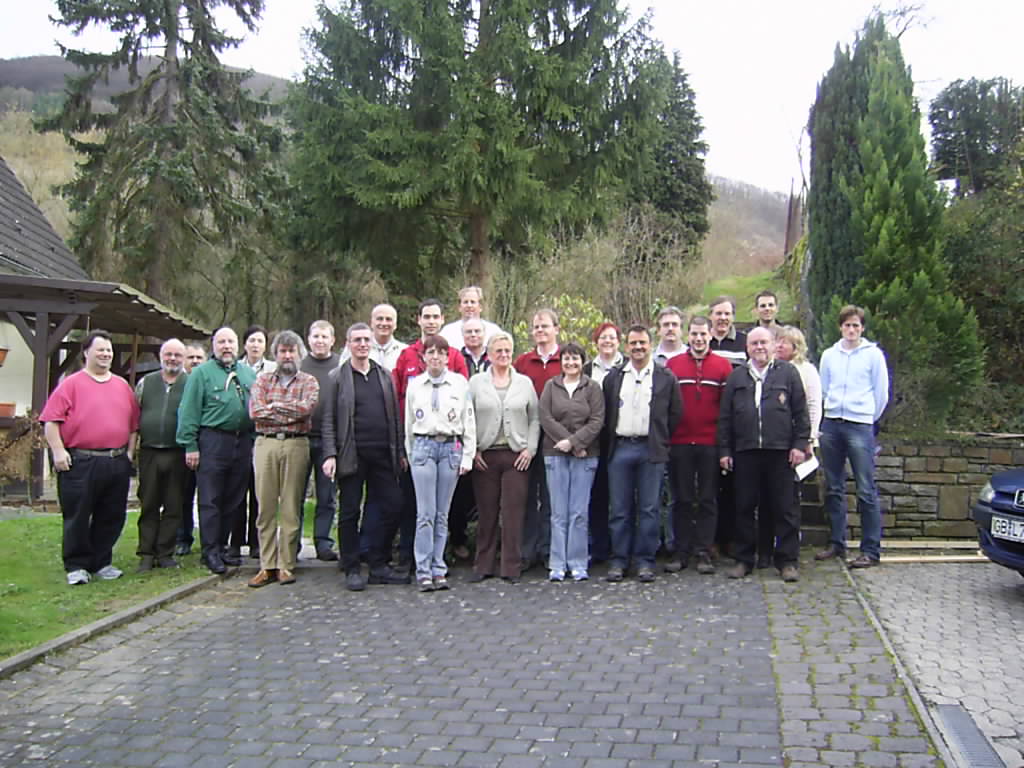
109, 573
78, 577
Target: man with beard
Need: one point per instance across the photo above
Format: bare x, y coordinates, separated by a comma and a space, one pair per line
162, 469
90, 423
281, 407
215, 429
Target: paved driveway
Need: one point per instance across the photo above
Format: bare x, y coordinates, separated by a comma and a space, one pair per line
689, 671
959, 629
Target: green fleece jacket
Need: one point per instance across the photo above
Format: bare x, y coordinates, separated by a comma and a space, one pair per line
217, 397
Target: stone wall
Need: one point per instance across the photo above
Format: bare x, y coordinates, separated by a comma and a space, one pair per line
927, 488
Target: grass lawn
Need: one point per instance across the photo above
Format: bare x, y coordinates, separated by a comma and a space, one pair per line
37, 605
743, 289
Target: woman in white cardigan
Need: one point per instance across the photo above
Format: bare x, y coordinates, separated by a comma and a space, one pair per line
507, 433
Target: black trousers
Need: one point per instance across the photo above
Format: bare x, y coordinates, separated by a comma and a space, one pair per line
161, 487
600, 536
764, 480
461, 512
188, 499
93, 497
374, 473
694, 471
225, 463
244, 532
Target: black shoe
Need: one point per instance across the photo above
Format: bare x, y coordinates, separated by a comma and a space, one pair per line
386, 575
764, 562
167, 562
476, 578
704, 565
231, 558
646, 575
510, 579
183, 549
354, 581
614, 574
676, 565
327, 555
214, 562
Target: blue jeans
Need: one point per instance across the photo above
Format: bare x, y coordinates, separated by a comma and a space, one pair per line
569, 482
634, 485
435, 471
842, 440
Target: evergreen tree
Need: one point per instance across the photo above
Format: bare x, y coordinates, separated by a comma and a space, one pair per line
181, 169
929, 336
426, 130
677, 184
975, 126
841, 101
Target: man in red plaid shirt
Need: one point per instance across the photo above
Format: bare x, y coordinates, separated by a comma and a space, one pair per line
281, 406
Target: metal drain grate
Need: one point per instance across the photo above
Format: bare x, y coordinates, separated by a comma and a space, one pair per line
966, 739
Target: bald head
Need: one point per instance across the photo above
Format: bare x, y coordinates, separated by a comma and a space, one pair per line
172, 358
760, 346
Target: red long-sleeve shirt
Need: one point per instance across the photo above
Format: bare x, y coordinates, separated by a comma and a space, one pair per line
701, 384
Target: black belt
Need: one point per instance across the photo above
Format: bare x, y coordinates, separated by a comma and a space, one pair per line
634, 439
440, 438
282, 435
847, 421
110, 453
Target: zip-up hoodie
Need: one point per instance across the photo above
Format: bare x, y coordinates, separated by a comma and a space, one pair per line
854, 382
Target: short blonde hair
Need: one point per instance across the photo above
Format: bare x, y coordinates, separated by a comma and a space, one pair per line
500, 336
795, 337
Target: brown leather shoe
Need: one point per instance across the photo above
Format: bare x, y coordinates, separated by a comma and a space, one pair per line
828, 553
285, 577
862, 561
263, 578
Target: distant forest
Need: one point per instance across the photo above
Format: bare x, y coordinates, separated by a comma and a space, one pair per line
36, 84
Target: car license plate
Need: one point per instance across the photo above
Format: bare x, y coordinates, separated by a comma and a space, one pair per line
1006, 528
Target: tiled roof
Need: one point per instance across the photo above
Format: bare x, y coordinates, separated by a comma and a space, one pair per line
28, 244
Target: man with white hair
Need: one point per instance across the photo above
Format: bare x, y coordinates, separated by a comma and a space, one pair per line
471, 304
162, 470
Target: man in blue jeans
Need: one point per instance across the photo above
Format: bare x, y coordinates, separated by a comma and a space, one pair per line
855, 391
642, 407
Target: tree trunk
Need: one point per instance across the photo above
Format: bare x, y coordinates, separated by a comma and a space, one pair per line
479, 247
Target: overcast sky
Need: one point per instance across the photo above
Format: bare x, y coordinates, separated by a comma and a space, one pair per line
754, 65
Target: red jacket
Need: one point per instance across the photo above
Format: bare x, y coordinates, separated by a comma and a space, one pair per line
701, 384
532, 365
410, 363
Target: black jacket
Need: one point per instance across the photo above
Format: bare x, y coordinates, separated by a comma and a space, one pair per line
783, 423
666, 410
338, 425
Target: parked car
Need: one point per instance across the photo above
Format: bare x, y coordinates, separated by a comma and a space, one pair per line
999, 515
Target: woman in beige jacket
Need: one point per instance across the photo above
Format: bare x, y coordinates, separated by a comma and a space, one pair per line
508, 429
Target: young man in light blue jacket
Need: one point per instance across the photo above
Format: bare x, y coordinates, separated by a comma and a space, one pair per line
855, 391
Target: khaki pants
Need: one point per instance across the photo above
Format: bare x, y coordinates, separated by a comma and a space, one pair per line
280, 467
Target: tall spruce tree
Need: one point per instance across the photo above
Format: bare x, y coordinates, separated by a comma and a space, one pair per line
183, 165
929, 336
426, 130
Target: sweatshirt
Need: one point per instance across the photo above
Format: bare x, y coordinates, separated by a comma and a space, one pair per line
854, 382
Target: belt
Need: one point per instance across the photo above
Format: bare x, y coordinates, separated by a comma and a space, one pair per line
110, 453
282, 435
847, 421
440, 438
633, 438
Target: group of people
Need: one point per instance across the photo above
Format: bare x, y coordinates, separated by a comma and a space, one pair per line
565, 460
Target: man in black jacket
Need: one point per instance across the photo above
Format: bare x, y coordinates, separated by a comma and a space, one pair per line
364, 446
642, 408
763, 432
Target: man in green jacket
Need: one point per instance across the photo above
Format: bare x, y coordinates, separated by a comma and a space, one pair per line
216, 432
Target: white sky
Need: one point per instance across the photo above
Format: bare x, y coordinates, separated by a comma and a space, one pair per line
754, 65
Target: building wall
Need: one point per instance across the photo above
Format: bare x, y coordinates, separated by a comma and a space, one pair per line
16, 373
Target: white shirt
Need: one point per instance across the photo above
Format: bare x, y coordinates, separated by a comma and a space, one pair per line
635, 401
454, 415
452, 333
384, 355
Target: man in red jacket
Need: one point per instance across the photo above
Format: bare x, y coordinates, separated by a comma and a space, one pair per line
410, 364
693, 452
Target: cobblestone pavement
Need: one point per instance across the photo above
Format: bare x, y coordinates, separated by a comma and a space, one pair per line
959, 630
688, 671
